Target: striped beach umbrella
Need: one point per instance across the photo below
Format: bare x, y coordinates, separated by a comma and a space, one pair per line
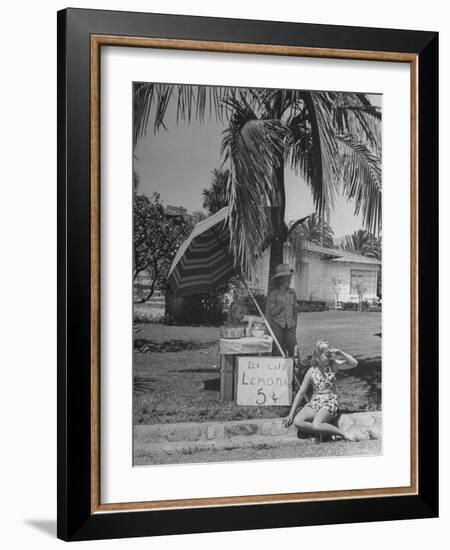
204, 261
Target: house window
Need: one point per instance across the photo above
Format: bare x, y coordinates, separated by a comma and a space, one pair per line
368, 280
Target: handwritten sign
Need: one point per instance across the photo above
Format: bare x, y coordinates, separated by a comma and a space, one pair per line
264, 381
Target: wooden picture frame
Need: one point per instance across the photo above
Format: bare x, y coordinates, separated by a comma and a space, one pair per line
81, 35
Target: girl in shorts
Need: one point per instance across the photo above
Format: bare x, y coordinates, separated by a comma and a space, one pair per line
317, 415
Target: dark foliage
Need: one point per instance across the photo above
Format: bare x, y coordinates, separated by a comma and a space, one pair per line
311, 305
199, 309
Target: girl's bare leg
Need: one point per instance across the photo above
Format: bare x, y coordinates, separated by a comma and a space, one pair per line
321, 424
304, 419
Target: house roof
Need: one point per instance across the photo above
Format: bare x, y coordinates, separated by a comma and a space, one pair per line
171, 210
340, 255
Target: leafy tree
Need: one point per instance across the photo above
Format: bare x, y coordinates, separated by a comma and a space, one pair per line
198, 216
215, 197
361, 290
337, 285
156, 239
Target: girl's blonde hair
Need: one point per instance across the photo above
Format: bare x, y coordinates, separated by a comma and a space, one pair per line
319, 348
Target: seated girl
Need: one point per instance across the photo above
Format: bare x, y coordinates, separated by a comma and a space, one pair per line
317, 415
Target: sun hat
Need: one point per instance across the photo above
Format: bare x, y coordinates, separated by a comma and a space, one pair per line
283, 270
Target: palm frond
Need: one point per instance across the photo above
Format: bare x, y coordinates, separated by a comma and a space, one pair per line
142, 103
163, 95
361, 179
364, 243
251, 149
354, 114
192, 102
320, 163
312, 229
319, 147
370, 109
299, 145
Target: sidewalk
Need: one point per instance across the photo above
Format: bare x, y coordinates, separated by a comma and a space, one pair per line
191, 437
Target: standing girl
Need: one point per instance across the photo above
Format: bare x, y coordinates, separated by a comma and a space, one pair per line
281, 310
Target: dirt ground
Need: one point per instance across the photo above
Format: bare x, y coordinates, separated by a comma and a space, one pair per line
177, 378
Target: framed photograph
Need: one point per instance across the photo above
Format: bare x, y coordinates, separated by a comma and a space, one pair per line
247, 255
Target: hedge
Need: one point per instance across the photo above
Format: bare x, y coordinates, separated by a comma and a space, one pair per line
311, 305
199, 309
365, 306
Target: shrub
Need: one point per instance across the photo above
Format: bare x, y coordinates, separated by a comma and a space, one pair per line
198, 309
143, 316
353, 306
311, 305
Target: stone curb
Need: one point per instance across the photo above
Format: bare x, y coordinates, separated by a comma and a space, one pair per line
366, 425
237, 442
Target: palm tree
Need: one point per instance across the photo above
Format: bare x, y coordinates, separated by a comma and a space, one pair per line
331, 138
364, 243
314, 230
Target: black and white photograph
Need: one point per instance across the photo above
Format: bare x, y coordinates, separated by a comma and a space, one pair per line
223, 282
257, 274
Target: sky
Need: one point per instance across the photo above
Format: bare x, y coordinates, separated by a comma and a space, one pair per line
177, 163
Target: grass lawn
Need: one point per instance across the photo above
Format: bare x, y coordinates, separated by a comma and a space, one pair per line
177, 378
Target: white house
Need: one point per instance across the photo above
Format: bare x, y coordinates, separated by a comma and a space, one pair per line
327, 274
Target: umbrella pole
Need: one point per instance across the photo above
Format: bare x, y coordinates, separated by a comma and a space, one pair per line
263, 316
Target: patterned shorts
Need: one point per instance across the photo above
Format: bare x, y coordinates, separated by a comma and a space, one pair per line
327, 400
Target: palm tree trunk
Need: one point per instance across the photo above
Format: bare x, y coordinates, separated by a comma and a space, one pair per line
278, 224
276, 257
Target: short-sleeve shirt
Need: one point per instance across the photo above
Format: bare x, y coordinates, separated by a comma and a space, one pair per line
287, 317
